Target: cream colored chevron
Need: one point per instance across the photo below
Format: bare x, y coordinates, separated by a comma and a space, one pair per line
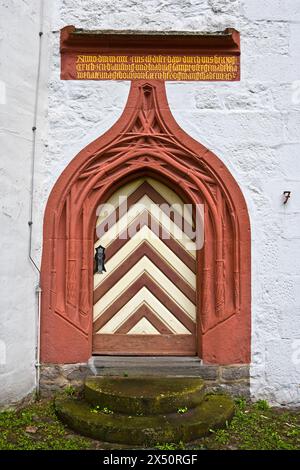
168, 194
159, 246
145, 265
143, 327
114, 200
144, 296
145, 203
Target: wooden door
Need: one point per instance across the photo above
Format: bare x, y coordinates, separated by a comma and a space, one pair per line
145, 302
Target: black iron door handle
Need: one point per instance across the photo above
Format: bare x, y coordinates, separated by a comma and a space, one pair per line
100, 259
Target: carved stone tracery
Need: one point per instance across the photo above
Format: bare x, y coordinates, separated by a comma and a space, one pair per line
146, 140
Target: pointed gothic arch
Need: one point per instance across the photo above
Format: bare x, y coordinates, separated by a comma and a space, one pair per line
146, 140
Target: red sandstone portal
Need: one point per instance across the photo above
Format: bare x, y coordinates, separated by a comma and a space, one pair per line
146, 140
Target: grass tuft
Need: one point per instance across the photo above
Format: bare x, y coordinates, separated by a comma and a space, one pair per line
254, 427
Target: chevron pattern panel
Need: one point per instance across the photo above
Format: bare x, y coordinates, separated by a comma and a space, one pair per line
145, 302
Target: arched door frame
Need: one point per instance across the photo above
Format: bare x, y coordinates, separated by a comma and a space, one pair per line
146, 140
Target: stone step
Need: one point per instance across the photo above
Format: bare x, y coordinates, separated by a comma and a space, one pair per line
144, 396
212, 413
153, 366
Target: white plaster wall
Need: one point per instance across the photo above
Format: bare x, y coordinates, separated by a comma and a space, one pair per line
252, 125
19, 47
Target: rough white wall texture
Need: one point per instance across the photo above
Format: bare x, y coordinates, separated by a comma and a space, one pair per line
19, 46
252, 125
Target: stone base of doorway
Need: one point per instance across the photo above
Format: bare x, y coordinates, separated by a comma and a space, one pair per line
232, 379
144, 411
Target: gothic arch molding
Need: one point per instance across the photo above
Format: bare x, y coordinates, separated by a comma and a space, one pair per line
146, 140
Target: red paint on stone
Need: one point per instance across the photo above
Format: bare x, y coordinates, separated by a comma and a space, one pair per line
81, 53
146, 140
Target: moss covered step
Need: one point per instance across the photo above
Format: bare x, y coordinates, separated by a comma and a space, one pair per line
144, 396
213, 412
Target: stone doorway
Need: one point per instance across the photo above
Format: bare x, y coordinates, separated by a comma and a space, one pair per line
146, 142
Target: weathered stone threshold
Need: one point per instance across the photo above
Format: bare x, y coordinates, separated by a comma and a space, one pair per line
233, 379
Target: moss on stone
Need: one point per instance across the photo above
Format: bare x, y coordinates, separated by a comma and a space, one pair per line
213, 412
144, 396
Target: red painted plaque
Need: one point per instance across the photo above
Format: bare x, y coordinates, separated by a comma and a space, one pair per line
98, 55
